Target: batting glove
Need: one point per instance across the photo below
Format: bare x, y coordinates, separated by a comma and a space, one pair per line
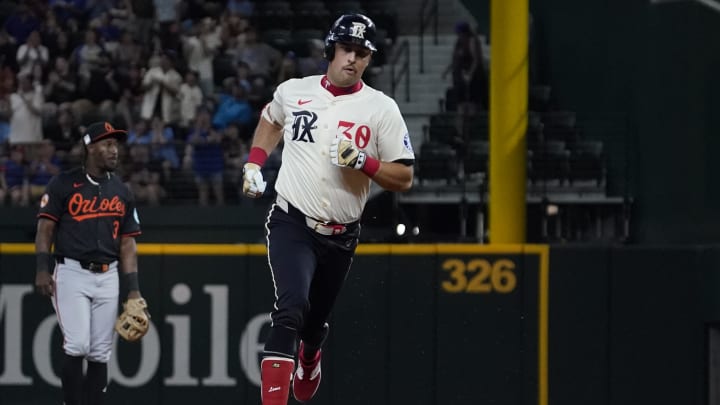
344, 154
253, 183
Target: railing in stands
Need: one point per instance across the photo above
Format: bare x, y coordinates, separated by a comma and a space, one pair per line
401, 55
427, 15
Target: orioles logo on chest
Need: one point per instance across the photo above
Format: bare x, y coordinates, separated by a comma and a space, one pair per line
81, 208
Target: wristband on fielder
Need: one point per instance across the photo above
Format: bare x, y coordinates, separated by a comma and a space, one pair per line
131, 281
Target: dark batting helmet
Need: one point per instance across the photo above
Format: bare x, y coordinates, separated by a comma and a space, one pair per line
350, 29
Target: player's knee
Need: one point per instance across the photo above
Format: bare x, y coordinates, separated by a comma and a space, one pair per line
292, 314
98, 357
77, 349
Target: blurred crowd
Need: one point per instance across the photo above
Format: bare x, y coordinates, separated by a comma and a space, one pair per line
186, 78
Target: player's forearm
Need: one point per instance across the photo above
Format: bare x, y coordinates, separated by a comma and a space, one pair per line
44, 235
394, 176
267, 136
128, 255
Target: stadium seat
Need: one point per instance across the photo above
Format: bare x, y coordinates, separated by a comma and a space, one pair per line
477, 157
587, 162
549, 161
437, 161
311, 14
443, 130
560, 126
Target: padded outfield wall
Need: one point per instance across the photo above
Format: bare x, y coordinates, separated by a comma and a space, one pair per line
416, 324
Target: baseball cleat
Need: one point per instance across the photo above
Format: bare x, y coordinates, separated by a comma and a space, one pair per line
307, 376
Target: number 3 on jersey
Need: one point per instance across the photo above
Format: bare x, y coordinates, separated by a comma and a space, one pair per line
362, 133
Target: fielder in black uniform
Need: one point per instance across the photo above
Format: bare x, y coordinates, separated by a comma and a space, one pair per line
339, 136
88, 215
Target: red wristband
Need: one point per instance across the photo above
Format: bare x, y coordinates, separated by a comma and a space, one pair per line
371, 166
257, 155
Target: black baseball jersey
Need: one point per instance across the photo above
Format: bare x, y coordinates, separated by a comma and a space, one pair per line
91, 215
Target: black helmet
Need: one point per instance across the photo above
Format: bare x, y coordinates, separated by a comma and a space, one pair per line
352, 29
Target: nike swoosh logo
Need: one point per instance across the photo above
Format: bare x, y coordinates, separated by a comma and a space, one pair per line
76, 185
301, 102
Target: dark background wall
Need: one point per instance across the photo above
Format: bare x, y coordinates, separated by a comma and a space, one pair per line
627, 326
657, 65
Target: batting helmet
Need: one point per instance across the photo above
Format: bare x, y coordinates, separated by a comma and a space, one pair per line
351, 29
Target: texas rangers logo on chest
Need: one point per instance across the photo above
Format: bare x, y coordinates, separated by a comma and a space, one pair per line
303, 125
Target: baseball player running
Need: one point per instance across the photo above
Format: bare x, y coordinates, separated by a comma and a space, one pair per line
339, 134
89, 216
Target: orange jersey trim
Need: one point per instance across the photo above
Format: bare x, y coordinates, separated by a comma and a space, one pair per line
48, 216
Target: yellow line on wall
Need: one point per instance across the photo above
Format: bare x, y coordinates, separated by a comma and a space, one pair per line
244, 249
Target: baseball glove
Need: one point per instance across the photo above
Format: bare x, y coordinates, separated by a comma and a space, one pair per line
134, 321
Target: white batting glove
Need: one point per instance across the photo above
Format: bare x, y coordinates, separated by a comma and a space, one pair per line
253, 183
344, 154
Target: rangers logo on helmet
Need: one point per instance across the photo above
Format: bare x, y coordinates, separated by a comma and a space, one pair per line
358, 30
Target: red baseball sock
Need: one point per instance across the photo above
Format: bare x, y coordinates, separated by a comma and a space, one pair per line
276, 373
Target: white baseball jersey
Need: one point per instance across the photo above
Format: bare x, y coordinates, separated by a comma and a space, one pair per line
311, 117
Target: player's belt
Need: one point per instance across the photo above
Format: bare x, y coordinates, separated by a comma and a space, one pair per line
95, 267
323, 228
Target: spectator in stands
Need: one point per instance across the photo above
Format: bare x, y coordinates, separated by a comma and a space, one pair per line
469, 79
144, 177
15, 177
244, 8
235, 150
8, 51
127, 53
108, 33
162, 140
232, 33
21, 23
64, 134
69, 9
260, 92
139, 133
131, 98
61, 87
62, 46
166, 15
261, 58
289, 68
43, 167
32, 53
26, 106
161, 85
49, 31
200, 48
4, 127
191, 98
87, 58
233, 108
141, 20
315, 63
205, 155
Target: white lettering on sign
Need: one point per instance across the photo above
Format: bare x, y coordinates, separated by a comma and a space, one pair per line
11, 361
